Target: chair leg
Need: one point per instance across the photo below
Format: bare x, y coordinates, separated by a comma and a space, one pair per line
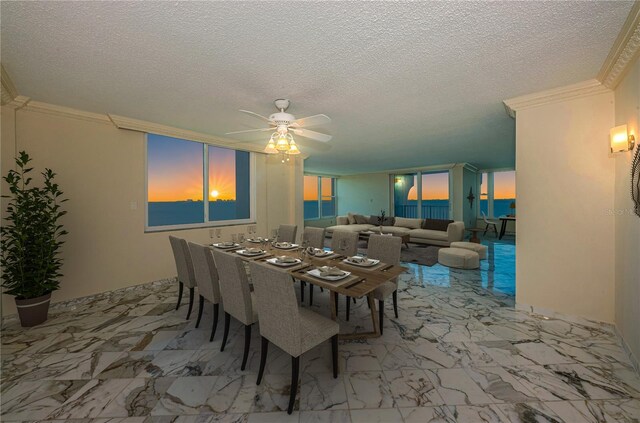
486, 228
180, 289
321, 290
395, 303
334, 354
335, 297
191, 292
200, 307
354, 299
216, 309
380, 314
263, 358
348, 303
310, 294
295, 371
302, 286
227, 318
247, 342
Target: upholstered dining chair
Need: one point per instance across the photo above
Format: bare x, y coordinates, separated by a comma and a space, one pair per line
312, 237
493, 224
386, 249
287, 233
345, 243
293, 329
207, 280
237, 297
184, 267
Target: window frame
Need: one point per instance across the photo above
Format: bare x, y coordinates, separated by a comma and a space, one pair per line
333, 197
205, 193
417, 174
490, 191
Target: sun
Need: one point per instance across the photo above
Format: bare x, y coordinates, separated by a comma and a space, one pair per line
215, 193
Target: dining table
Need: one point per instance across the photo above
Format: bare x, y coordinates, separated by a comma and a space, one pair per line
361, 282
503, 226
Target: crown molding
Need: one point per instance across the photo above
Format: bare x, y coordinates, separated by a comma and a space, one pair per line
555, 95
131, 124
55, 110
624, 50
9, 91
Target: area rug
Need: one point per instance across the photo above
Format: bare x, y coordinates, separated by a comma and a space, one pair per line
425, 255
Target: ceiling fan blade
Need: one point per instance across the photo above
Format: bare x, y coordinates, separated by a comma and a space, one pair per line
249, 130
255, 115
310, 121
312, 134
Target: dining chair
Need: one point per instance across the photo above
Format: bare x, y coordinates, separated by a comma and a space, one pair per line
311, 237
489, 224
293, 329
287, 233
207, 280
184, 267
386, 249
237, 297
346, 244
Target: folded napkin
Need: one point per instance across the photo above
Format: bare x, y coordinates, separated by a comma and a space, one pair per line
228, 244
285, 259
330, 271
283, 244
358, 259
253, 250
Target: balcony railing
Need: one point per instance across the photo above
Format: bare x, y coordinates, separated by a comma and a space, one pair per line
428, 212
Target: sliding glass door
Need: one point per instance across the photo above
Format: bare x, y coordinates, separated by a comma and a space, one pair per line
421, 195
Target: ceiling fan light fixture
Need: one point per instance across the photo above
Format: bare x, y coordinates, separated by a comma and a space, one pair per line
293, 148
271, 147
282, 144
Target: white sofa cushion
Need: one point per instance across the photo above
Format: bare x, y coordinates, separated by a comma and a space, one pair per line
394, 230
459, 258
478, 248
428, 234
350, 228
408, 223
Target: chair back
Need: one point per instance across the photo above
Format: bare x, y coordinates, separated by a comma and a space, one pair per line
345, 242
385, 248
484, 217
182, 257
205, 272
277, 307
314, 237
287, 233
234, 286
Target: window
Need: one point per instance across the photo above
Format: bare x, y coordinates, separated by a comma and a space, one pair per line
319, 197
176, 184
498, 193
421, 195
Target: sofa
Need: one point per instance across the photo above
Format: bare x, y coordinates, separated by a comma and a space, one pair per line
421, 231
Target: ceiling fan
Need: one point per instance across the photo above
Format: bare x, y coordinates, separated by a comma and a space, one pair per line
283, 124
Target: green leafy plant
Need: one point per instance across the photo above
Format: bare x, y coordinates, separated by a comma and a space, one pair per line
31, 235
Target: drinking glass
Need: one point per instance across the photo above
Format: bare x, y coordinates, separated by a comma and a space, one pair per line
241, 238
342, 246
274, 235
218, 234
234, 238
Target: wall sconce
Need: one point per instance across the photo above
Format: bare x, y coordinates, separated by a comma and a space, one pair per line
620, 140
398, 181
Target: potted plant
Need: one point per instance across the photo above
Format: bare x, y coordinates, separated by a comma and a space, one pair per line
31, 241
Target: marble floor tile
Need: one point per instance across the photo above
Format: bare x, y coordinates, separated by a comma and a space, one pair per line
459, 352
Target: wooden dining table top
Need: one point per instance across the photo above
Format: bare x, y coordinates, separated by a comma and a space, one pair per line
362, 280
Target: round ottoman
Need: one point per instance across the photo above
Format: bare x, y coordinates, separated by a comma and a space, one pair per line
478, 248
458, 258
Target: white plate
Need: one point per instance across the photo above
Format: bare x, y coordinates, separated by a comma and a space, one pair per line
368, 263
290, 247
316, 273
323, 254
254, 241
225, 247
249, 254
275, 262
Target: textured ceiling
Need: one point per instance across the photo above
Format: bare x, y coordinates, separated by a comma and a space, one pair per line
406, 84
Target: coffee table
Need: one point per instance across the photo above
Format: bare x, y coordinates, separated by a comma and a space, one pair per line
366, 234
474, 235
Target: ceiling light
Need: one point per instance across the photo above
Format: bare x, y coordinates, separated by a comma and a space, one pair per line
271, 147
293, 148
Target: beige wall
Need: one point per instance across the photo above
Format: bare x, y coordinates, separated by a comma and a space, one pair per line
101, 170
627, 224
565, 256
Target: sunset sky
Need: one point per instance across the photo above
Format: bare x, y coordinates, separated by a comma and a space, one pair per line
175, 170
435, 186
311, 187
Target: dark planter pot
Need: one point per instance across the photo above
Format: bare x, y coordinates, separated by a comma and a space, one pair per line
34, 310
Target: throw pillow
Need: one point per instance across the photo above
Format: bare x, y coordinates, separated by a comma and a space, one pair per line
360, 219
352, 218
436, 224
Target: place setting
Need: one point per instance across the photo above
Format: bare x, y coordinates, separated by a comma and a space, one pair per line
361, 261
